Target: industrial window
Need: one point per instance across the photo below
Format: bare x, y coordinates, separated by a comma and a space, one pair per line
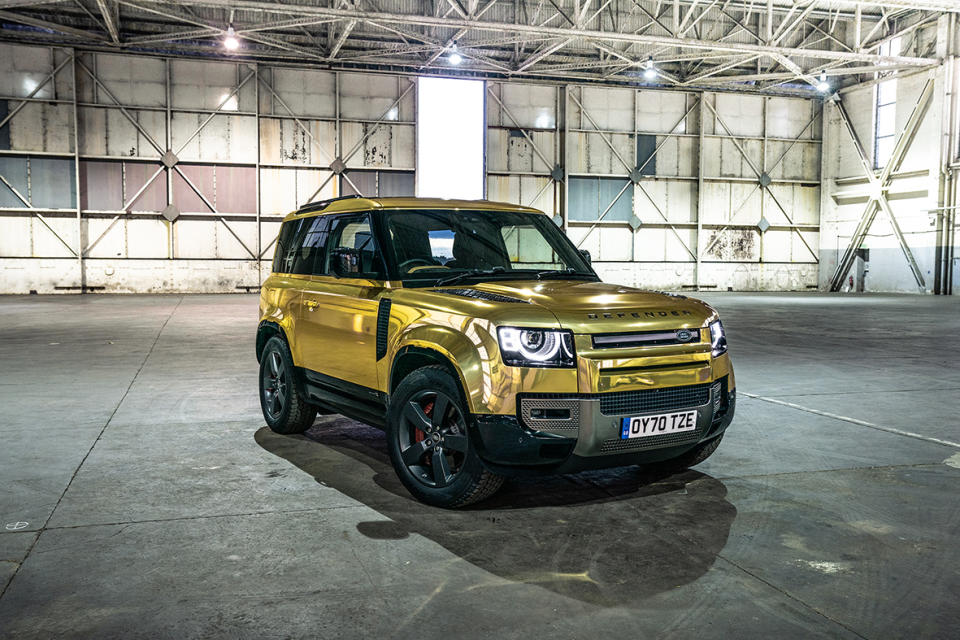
39, 180
607, 199
885, 112
646, 154
450, 130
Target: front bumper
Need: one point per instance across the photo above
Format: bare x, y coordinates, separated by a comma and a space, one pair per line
560, 433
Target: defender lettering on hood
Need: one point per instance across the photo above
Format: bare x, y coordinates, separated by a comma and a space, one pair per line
640, 314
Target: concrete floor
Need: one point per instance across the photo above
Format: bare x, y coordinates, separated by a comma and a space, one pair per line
141, 495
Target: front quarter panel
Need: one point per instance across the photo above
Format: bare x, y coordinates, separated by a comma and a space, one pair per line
465, 333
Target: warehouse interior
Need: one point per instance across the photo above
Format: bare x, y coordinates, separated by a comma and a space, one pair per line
794, 163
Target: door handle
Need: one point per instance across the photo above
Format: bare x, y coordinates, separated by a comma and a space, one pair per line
311, 305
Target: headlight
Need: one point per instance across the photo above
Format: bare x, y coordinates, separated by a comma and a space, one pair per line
718, 339
536, 347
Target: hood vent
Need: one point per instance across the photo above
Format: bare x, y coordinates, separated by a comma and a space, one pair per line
479, 295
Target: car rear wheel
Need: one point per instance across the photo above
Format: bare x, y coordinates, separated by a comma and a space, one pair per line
284, 409
429, 444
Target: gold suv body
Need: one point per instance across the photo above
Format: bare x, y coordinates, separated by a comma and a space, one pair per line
555, 370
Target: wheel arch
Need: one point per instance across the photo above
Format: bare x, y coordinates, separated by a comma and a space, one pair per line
411, 357
460, 353
265, 331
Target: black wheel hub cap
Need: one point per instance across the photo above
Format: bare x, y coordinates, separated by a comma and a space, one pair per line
433, 438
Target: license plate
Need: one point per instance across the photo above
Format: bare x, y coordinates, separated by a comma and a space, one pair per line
658, 425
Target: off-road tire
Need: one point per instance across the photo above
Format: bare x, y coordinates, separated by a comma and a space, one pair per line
295, 414
471, 482
689, 459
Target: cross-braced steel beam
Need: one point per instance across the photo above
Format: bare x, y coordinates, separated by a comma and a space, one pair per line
878, 186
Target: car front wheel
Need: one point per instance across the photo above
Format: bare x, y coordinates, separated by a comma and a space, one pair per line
429, 445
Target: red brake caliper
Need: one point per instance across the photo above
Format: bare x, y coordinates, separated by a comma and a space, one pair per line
418, 435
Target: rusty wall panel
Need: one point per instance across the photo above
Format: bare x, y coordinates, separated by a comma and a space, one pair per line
737, 245
283, 141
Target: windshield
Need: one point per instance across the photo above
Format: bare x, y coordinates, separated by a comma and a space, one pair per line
440, 246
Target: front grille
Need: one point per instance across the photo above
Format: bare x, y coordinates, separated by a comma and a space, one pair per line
645, 339
621, 403
652, 442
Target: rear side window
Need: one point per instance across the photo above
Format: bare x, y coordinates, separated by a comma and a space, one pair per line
311, 245
301, 245
283, 254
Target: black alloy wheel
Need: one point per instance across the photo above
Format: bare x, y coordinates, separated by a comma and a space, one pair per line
433, 438
429, 442
284, 408
274, 384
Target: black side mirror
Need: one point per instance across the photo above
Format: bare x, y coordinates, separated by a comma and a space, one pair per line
345, 262
586, 256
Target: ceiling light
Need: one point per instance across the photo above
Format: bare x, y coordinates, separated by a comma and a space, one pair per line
231, 42
454, 57
649, 72
823, 86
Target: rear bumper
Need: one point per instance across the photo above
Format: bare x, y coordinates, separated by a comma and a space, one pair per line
557, 433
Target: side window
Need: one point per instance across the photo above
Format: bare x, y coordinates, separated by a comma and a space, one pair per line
311, 246
284, 251
353, 251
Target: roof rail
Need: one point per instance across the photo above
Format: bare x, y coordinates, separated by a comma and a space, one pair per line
323, 204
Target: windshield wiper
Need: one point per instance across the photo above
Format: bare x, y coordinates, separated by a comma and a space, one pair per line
468, 274
552, 273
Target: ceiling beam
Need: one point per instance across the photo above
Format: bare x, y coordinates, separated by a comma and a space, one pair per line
111, 18
45, 24
558, 32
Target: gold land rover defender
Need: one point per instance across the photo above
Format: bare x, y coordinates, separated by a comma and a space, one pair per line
482, 341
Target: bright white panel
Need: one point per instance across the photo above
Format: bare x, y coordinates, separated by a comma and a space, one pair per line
450, 138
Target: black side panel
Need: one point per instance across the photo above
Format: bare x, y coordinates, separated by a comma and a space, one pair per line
352, 400
383, 325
